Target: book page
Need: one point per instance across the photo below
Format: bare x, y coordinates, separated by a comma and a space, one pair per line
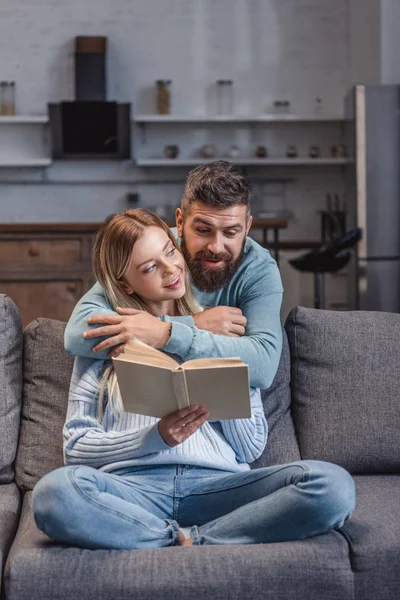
225, 391
145, 389
199, 363
137, 351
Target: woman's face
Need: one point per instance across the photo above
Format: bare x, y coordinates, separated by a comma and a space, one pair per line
156, 271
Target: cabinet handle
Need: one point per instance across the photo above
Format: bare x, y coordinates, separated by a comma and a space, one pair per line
33, 251
71, 287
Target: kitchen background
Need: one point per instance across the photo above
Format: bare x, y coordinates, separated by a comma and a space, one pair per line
307, 53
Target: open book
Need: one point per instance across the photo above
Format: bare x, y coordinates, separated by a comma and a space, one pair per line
152, 383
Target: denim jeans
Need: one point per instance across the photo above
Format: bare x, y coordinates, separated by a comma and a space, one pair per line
146, 507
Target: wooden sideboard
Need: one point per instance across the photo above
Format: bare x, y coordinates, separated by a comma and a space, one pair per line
46, 268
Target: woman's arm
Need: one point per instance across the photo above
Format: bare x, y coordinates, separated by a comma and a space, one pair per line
91, 442
248, 437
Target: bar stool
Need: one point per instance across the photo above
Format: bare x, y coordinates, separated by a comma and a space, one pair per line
328, 259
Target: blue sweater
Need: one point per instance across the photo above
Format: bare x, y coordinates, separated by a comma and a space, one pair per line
115, 445
255, 288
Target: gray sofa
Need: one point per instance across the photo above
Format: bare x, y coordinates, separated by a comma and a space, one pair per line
335, 397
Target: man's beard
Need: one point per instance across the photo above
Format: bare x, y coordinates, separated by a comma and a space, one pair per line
211, 279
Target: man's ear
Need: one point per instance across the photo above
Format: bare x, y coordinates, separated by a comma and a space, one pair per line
249, 224
125, 287
179, 221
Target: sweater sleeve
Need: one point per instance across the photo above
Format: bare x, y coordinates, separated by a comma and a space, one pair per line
247, 437
87, 440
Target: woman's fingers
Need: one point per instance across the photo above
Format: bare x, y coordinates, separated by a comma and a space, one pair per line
195, 424
180, 425
187, 415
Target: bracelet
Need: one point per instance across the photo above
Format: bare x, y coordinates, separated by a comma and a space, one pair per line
170, 331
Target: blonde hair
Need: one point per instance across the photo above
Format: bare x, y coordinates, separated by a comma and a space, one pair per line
111, 257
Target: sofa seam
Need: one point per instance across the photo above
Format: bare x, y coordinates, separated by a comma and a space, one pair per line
347, 538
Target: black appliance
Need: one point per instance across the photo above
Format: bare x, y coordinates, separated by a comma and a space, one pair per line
90, 127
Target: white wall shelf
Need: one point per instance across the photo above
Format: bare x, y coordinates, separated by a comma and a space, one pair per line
24, 141
25, 163
23, 119
141, 119
193, 162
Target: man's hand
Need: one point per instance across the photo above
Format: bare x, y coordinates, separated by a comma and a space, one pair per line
178, 426
223, 320
122, 328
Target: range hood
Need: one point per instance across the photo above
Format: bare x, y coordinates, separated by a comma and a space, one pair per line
90, 126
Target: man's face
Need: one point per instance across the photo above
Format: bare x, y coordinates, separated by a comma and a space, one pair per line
212, 243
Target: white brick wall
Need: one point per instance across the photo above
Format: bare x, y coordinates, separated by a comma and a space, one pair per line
295, 49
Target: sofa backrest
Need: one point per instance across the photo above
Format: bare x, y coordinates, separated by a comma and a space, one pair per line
346, 387
10, 385
46, 377
47, 373
282, 444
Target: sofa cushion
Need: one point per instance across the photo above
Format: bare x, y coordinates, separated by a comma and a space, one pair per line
374, 536
10, 502
282, 444
47, 373
313, 569
345, 387
10, 385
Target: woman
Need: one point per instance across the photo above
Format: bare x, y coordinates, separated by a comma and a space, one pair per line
140, 482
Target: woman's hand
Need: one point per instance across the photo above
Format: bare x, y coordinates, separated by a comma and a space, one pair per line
178, 426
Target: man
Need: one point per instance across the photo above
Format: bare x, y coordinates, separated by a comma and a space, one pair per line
235, 279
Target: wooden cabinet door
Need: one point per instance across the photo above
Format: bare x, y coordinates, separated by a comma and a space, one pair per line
53, 299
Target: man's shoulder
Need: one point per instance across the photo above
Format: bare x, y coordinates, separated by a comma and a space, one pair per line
256, 256
258, 269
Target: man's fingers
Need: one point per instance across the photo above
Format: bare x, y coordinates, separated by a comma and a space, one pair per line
115, 352
235, 311
239, 320
108, 343
237, 330
102, 331
127, 311
100, 319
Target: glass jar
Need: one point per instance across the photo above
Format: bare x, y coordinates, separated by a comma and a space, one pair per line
163, 87
3, 88
225, 96
8, 100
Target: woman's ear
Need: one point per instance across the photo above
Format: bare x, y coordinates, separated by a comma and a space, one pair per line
125, 287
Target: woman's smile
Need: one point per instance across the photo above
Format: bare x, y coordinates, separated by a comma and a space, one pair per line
175, 282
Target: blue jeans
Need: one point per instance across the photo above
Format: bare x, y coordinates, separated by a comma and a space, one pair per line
146, 507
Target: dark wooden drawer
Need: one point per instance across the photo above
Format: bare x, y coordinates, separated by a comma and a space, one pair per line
41, 252
51, 299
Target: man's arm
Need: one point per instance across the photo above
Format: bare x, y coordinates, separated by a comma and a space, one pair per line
93, 303
260, 348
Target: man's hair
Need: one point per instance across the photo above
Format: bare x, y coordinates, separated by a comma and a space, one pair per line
218, 184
